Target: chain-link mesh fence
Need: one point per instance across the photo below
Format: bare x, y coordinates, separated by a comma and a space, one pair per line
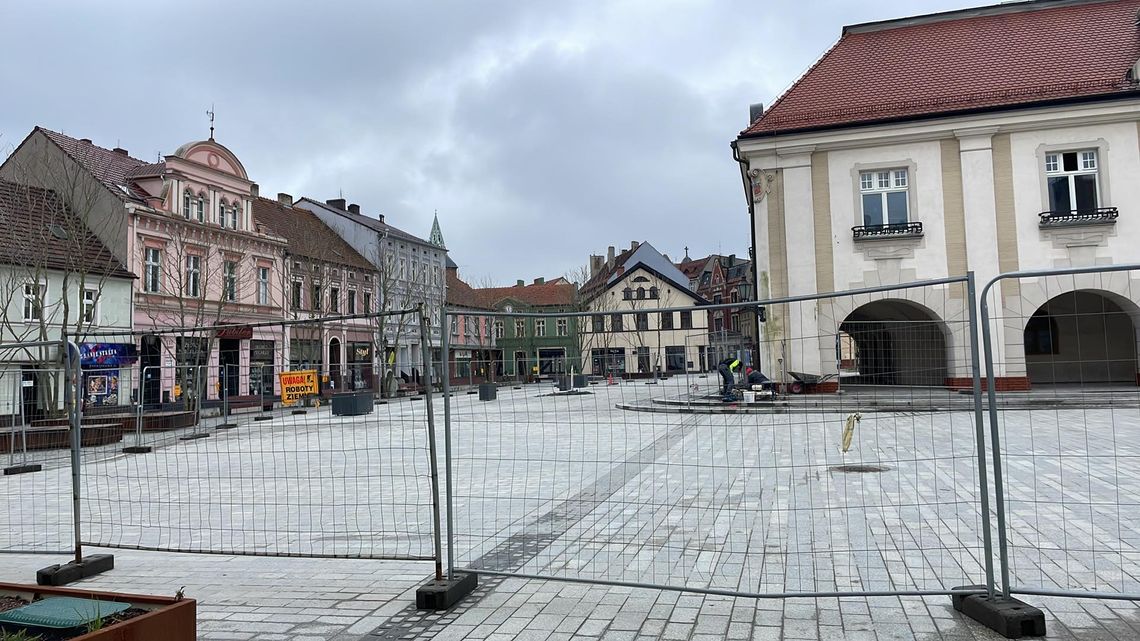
654, 476
1062, 360
290, 439
35, 442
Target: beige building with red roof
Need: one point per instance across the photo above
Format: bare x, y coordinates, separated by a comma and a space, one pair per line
991, 140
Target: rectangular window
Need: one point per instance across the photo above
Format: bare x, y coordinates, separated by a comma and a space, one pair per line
193, 287
334, 299
735, 319
666, 320
884, 196
499, 330
686, 320
186, 205
34, 294
88, 305
201, 208
520, 327
615, 323
540, 327
229, 281
298, 286
642, 321
262, 285
351, 301
233, 212
597, 323
315, 297
454, 326
367, 302
1072, 180
563, 327
152, 283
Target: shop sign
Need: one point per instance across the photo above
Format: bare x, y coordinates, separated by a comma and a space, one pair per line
109, 355
244, 332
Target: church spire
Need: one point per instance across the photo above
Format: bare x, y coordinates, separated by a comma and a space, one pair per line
436, 237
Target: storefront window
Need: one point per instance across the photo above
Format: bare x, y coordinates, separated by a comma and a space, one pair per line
261, 372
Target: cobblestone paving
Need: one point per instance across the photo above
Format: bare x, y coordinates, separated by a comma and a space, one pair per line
567, 487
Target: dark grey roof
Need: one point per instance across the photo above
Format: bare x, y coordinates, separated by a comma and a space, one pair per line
369, 222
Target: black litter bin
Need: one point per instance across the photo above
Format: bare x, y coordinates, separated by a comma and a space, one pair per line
352, 403
488, 391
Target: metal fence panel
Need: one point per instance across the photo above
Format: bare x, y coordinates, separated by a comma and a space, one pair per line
648, 478
35, 450
223, 466
1062, 378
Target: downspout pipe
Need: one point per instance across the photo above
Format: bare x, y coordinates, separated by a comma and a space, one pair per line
752, 226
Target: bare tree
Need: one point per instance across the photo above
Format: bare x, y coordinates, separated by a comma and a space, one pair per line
54, 271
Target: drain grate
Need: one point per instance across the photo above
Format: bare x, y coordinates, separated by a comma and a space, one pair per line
859, 469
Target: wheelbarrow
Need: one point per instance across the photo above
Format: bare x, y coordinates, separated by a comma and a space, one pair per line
804, 383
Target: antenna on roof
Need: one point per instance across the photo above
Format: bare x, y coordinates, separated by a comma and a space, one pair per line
210, 113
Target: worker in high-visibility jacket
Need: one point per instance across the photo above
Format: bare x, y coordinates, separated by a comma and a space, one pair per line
726, 368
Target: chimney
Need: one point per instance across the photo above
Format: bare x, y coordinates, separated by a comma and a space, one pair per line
539, 281
732, 260
633, 245
284, 199
120, 151
520, 283
381, 216
354, 208
336, 203
86, 140
755, 111
610, 256
254, 190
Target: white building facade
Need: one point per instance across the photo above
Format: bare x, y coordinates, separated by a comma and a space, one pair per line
1009, 178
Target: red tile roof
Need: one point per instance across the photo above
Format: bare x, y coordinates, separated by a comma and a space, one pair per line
37, 230
552, 294
114, 169
460, 294
307, 236
994, 57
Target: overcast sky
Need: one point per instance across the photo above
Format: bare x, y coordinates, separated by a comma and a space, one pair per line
541, 131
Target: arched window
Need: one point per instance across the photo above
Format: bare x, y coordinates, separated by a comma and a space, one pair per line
640, 293
234, 209
201, 206
653, 293
627, 293
186, 204
222, 212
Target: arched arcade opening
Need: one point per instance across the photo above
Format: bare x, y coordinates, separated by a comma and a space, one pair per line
1082, 336
896, 342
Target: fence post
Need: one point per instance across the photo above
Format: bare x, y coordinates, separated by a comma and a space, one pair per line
991, 399
442, 593
979, 430
445, 349
71, 377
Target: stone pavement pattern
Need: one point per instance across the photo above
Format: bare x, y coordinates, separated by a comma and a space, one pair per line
568, 486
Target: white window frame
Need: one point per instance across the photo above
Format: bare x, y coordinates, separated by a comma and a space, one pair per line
153, 270
193, 287
563, 327
262, 285
89, 308
500, 329
881, 182
234, 215
540, 327
297, 294
34, 300
455, 326
1088, 164
230, 281
202, 207
187, 200
520, 327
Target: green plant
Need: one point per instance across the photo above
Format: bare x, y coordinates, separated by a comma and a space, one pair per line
19, 635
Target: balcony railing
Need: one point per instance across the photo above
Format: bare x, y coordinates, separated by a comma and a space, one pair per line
1100, 216
889, 230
